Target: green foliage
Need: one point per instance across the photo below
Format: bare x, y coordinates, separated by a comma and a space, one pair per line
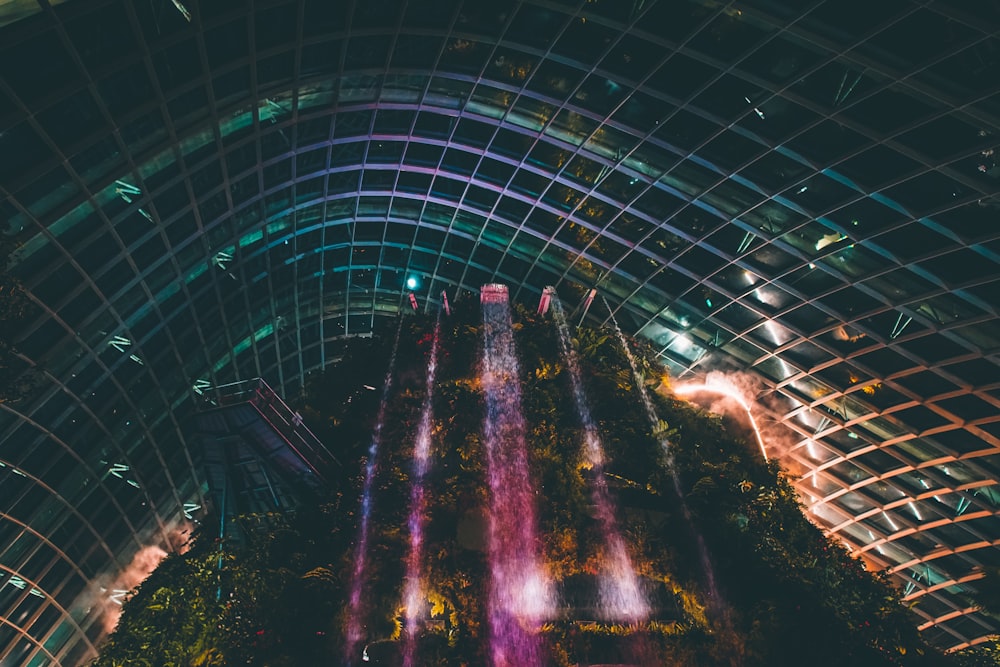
981, 655
270, 601
788, 594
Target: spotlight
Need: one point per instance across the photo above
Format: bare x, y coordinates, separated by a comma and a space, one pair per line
411, 283
543, 304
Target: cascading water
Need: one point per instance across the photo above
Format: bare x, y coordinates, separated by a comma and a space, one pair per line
355, 629
647, 401
520, 590
621, 596
412, 584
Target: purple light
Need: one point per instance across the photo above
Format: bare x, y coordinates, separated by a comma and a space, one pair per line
445, 304
413, 594
493, 293
520, 591
355, 630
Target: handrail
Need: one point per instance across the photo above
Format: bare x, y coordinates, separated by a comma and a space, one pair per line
285, 421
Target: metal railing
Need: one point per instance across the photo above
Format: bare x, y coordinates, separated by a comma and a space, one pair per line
285, 421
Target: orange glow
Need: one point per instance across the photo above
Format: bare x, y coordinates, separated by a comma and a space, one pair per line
722, 387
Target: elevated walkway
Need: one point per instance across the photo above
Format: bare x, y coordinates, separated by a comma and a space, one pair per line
257, 455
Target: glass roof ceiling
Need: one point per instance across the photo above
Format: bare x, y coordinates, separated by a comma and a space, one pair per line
807, 191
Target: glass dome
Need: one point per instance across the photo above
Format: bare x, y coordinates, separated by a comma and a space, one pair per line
200, 193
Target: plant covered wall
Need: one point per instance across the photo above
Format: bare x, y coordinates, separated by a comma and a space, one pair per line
733, 571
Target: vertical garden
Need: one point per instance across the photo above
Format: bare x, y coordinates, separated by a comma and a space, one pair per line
664, 541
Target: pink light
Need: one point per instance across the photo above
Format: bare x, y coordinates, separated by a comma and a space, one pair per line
355, 629
520, 594
493, 293
722, 387
414, 595
543, 303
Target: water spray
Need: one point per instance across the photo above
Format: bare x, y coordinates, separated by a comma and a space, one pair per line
354, 631
621, 596
413, 593
520, 590
667, 447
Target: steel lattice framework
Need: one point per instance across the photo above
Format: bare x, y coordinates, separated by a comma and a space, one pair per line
805, 190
